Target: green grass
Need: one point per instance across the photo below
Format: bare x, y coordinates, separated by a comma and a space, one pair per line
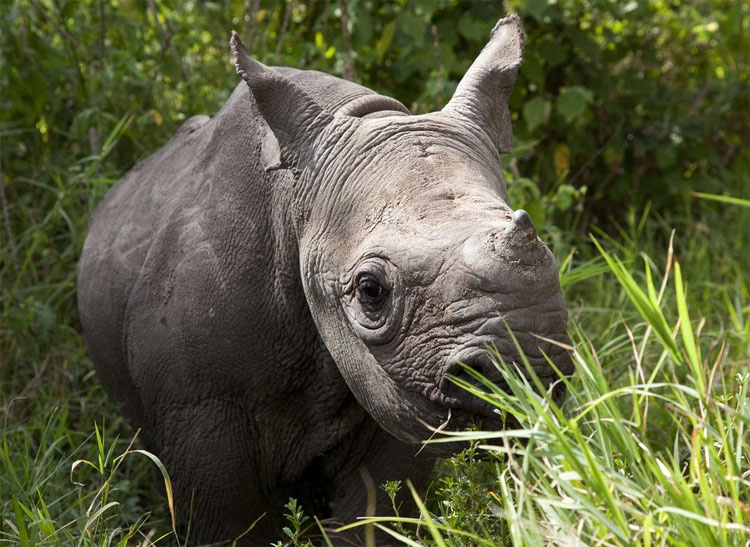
651, 446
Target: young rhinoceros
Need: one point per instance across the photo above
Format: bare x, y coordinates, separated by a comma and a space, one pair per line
279, 295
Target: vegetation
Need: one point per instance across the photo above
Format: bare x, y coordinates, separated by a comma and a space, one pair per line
631, 122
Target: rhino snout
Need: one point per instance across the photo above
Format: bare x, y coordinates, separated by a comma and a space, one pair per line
511, 259
481, 360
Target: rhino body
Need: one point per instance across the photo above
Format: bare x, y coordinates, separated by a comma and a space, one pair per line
278, 295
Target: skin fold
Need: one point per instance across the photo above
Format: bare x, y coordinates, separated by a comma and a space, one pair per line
278, 296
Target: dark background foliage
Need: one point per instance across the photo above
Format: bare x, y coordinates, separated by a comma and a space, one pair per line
619, 106
622, 110
636, 102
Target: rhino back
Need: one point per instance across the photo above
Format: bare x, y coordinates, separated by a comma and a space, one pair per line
208, 162
191, 258
151, 222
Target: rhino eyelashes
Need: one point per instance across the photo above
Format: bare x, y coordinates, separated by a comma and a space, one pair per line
370, 302
370, 291
373, 300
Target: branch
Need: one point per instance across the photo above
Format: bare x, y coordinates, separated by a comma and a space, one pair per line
284, 25
102, 30
252, 24
167, 31
349, 72
8, 229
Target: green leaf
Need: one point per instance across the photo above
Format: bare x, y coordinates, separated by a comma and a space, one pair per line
553, 53
384, 43
533, 67
585, 43
320, 42
413, 26
562, 159
723, 199
665, 156
23, 534
536, 211
536, 112
471, 29
686, 329
572, 102
535, 8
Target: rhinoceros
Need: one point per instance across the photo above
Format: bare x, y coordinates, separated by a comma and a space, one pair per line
279, 297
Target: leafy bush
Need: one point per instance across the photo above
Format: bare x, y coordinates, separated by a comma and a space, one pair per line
635, 101
621, 111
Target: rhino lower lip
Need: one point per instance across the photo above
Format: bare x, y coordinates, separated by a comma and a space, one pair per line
484, 414
471, 405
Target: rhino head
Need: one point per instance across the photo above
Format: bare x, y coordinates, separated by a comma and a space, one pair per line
411, 259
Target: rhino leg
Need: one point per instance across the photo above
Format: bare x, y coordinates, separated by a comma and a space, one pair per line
384, 458
217, 493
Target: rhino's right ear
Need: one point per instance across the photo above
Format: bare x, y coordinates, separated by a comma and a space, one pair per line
482, 96
294, 117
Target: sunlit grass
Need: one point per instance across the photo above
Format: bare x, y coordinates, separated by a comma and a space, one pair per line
651, 446
51, 498
659, 456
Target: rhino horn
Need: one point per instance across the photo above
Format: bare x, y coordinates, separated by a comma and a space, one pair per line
482, 95
294, 117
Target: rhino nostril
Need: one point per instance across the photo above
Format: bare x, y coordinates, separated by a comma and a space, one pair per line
480, 364
466, 376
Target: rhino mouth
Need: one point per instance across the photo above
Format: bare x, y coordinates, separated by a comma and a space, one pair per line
463, 401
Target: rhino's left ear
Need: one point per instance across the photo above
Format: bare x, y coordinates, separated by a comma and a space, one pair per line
294, 117
483, 93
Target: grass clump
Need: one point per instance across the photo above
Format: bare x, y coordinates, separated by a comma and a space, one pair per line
51, 498
651, 446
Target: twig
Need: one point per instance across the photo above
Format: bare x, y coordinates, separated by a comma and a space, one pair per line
167, 31
252, 24
102, 30
728, 155
8, 229
157, 69
438, 65
284, 25
349, 73
435, 431
513, 168
699, 98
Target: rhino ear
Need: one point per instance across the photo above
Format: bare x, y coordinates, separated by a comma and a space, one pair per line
294, 117
482, 95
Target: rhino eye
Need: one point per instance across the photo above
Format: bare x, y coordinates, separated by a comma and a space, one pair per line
373, 300
370, 291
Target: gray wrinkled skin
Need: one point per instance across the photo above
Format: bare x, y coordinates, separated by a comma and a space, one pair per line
278, 295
